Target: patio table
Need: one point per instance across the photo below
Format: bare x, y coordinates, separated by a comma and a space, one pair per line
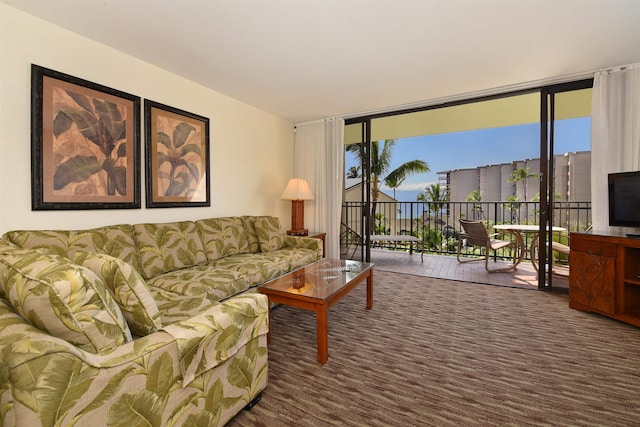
520, 229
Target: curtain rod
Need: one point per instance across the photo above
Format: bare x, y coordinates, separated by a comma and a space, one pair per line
619, 67
317, 121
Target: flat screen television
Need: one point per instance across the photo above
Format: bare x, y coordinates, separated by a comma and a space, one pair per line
624, 199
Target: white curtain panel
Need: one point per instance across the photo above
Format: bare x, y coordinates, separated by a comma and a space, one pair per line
615, 134
319, 158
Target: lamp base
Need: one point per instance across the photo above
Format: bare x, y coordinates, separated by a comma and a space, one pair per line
300, 290
297, 219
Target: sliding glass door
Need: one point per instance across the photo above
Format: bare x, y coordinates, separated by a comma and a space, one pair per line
517, 158
565, 184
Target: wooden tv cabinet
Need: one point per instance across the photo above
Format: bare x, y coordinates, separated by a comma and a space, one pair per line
605, 275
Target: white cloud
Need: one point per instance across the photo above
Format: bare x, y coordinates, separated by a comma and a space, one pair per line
418, 186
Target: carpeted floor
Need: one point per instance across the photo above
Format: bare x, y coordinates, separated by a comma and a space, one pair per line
434, 352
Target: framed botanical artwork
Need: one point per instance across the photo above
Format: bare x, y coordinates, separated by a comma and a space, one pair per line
177, 147
85, 144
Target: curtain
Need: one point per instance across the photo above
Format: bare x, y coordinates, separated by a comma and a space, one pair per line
615, 134
319, 158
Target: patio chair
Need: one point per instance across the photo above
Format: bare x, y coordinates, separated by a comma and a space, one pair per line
351, 238
476, 235
556, 247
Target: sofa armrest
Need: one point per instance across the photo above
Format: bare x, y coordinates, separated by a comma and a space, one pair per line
215, 335
304, 242
45, 380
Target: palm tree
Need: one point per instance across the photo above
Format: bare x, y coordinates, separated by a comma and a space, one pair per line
434, 193
394, 182
522, 174
476, 196
513, 204
380, 164
354, 172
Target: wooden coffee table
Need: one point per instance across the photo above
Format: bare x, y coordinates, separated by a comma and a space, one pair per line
317, 287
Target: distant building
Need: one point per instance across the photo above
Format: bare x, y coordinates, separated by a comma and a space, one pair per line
572, 182
353, 193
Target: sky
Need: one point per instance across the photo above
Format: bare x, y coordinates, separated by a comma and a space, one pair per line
470, 149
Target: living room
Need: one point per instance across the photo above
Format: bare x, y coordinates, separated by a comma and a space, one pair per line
252, 158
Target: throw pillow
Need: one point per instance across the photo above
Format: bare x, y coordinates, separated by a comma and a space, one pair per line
269, 233
63, 299
128, 288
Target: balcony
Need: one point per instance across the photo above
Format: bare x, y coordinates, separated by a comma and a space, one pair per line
436, 225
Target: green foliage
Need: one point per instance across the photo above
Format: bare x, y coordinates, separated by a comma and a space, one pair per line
432, 238
381, 224
476, 196
380, 163
522, 174
513, 205
434, 193
354, 172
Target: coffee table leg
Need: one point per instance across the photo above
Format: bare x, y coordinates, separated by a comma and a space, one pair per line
322, 332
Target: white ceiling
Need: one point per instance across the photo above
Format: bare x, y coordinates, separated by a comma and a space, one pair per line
310, 59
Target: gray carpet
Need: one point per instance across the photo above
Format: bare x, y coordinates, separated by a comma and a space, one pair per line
443, 353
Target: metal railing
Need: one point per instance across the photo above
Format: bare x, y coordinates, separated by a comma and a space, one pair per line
437, 225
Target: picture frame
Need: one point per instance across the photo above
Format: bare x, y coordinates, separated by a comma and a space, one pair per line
85, 144
177, 154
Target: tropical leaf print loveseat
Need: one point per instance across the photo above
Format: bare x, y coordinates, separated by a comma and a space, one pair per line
145, 324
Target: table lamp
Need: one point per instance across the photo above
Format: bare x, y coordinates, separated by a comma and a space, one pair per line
297, 191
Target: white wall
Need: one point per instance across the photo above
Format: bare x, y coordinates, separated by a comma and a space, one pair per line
251, 150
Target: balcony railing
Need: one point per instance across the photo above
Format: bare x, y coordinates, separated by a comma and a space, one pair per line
437, 225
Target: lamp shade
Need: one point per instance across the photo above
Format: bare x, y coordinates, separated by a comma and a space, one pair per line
297, 189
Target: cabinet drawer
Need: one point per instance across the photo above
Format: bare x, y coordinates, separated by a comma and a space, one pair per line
593, 247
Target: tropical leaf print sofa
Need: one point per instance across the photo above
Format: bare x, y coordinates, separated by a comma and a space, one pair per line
145, 324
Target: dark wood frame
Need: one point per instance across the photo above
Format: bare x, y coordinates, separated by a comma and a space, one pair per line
96, 167
178, 141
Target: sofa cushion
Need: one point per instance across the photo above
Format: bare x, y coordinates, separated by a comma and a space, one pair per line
53, 241
222, 237
269, 233
249, 223
64, 299
204, 281
128, 289
258, 268
168, 247
114, 240
117, 241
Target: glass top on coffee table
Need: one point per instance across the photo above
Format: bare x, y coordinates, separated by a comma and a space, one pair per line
319, 280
